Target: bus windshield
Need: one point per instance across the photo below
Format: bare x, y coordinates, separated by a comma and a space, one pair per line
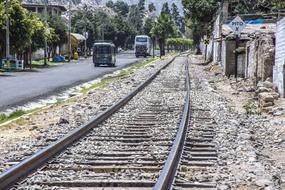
101, 50
141, 39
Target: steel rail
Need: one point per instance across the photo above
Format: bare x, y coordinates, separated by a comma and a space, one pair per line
167, 175
24, 168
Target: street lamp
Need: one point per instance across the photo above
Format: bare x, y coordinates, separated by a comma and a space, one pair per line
7, 33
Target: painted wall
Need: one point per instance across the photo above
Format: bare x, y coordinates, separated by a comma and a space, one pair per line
278, 70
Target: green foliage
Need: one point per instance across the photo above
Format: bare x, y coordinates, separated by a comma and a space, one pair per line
179, 20
100, 25
110, 4
179, 42
251, 108
256, 6
122, 31
135, 18
60, 30
26, 29
86, 21
175, 13
200, 10
121, 8
163, 28
149, 22
18, 113
200, 14
41, 32
151, 7
141, 5
165, 9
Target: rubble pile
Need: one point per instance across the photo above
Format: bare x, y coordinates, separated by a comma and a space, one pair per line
250, 154
266, 96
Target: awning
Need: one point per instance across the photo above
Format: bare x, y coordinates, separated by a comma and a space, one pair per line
78, 37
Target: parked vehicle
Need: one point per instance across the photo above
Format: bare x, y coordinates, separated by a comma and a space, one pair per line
143, 46
104, 53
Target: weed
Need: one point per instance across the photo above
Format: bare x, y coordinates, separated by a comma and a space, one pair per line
251, 108
18, 113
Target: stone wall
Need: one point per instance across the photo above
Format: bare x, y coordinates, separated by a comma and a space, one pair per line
279, 67
260, 55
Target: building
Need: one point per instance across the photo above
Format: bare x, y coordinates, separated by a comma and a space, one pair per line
279, 66
39, 7
254, 52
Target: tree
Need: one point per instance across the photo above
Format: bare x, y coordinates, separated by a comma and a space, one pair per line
149, 22
141, 5
27, 31
122, 31
179, 43
179, 20
41, 32
20, 27
200, 10
86, 21
175, 14
121, 8
110, 4
135, 18
200, 13
151, 7
165, 9
163, 28
60, 30
258, 6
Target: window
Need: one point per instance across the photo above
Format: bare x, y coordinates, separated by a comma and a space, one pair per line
101, 50
141, 39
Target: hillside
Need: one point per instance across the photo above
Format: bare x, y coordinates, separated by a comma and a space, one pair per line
157, 3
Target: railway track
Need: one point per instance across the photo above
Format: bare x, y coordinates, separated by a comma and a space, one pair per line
197, 167
143, 142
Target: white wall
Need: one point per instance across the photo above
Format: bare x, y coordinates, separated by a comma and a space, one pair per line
278, 71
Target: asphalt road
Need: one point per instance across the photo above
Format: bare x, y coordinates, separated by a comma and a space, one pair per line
19, 88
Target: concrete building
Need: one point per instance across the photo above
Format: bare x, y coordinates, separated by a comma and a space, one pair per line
255, 58
279, 67
52, 9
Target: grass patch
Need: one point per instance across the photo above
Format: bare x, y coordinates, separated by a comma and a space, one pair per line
123, 74
18, 113
104, 82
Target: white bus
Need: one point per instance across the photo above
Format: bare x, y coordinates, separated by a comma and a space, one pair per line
143, 46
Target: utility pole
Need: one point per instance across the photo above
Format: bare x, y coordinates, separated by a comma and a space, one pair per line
69, 32
7, 34
153, 49
236, 55
85, 42
45, 49
85, 30
102, 31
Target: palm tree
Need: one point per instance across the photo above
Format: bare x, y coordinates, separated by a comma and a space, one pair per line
163, 28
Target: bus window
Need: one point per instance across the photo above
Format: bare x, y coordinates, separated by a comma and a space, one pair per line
141, 39
101, 50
